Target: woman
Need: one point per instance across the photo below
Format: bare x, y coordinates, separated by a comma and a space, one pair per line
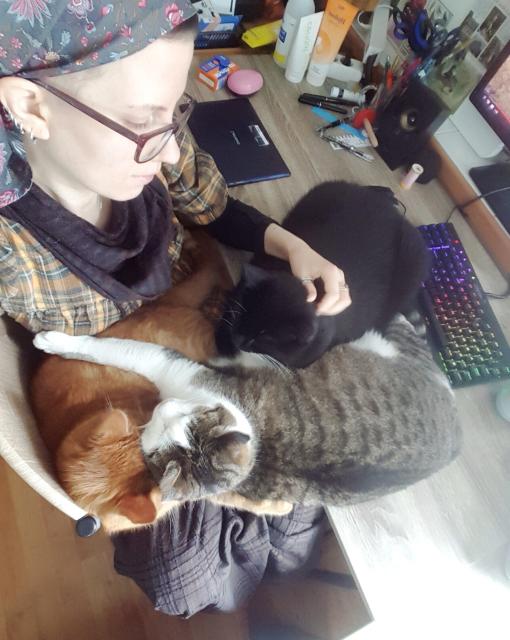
87, 235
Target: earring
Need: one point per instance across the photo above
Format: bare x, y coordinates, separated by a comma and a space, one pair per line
19, 126
32, 137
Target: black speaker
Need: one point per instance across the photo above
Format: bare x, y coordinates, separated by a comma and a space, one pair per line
407, 123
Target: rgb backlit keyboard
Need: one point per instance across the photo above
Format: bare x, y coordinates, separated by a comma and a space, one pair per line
467, 339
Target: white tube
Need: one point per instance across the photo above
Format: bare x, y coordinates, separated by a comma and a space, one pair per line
302, 46
353, 96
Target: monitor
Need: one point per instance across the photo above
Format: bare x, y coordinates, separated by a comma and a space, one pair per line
492, 99
492, 96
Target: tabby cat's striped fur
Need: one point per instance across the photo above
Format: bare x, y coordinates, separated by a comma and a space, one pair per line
366, 419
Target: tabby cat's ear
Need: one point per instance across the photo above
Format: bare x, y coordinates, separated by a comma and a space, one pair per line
170, 476
231, 438
232, 445
253, 275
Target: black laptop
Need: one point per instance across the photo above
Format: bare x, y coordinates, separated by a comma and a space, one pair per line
233, 134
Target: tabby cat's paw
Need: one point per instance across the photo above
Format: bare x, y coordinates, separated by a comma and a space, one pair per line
53, 342
271, 507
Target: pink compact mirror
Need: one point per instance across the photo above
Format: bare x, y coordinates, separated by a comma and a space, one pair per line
245, 82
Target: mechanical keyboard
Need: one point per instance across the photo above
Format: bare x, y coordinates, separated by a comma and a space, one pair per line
466, 338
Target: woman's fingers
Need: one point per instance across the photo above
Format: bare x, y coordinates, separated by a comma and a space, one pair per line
336, 297
310, 290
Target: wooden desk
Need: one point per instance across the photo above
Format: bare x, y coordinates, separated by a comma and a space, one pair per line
428, 560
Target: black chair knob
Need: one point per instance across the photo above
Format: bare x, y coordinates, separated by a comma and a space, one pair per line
87, 526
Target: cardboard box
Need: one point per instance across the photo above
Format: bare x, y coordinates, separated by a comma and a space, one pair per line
215, 71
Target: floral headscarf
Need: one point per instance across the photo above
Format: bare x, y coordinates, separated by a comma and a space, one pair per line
52, 37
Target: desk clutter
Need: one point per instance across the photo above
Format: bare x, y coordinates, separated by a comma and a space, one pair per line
258, 23
397, 112
407, 99
221, 22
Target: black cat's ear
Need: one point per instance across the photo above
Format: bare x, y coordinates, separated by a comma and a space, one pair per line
253, 275
170, 476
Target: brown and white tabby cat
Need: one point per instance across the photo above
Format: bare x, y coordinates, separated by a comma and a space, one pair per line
90, 416
368, 418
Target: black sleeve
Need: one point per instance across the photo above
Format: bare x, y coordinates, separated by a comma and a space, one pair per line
240, 226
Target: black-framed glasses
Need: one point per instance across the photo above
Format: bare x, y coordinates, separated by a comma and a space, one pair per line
148, 145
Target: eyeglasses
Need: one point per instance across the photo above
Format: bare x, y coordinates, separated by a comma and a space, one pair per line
148, 145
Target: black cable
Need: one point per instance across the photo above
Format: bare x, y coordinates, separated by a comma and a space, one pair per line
462, 206
500, 296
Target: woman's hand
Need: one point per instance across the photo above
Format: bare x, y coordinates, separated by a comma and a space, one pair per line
307, 265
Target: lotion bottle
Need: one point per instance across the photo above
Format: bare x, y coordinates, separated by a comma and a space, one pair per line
302, 47
294, 10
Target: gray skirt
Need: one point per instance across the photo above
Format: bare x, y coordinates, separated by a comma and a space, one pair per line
206, 557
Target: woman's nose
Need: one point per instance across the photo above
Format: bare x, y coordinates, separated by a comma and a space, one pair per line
170, 152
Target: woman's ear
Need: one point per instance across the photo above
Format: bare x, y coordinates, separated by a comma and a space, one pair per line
26, 103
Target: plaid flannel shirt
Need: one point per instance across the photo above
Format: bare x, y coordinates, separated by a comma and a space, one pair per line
40, 293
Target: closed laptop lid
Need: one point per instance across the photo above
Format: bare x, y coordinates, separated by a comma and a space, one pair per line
231, 131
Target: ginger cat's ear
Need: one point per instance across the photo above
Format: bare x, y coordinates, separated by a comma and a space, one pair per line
138, 509
111, 424
141, 508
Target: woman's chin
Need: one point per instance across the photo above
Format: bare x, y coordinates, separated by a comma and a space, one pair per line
128, 192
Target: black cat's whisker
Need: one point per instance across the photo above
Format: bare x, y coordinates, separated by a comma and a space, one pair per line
239, 304
276, 364
230, 324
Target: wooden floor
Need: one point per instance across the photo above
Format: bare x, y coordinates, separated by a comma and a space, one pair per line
57, 586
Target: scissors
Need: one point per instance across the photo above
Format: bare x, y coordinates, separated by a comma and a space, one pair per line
412, 27
406, 17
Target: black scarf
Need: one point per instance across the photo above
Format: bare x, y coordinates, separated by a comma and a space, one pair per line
127, 261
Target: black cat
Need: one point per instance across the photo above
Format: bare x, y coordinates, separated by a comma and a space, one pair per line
361, 230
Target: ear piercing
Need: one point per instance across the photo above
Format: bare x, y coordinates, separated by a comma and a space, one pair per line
17, 123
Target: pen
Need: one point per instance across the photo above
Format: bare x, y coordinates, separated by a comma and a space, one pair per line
316, 96
330, 125
324, 104
348, 147
331, 99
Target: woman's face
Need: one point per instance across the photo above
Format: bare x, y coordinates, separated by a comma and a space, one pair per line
139, 92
